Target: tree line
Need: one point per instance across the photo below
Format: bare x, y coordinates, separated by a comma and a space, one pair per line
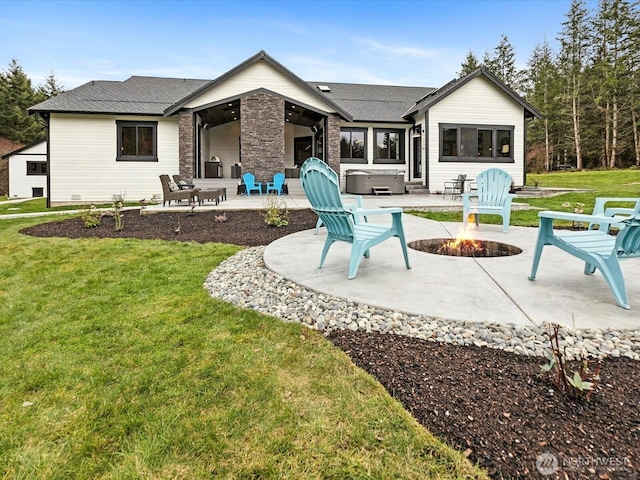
588, 92
17, 94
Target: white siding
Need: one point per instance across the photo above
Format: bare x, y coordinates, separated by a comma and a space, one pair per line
20, 184
259, 75
478, 102
371, 149
83, 166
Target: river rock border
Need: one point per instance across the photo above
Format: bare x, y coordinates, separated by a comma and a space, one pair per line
244, 281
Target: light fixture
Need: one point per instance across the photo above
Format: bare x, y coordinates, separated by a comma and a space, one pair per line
505, 149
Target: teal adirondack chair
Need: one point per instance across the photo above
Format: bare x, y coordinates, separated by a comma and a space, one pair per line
250, 184
322, 187
596, 247
493, 196
276, 185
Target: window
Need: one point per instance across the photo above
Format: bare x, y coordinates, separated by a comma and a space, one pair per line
353, 145
137, 141
476, 143
389, 146
36, 168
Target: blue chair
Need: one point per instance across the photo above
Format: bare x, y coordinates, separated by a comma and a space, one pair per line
350, 202
276, 185
250, 184
493, 196
596, 247
322, 187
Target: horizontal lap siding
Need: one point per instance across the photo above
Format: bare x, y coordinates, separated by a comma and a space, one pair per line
21, 184
83, 160
478, 102
259, 75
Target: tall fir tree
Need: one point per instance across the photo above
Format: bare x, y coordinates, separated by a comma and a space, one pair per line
469, 64
502, 63
573, 57
16, 96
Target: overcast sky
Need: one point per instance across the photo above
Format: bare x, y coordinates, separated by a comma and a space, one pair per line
416, 42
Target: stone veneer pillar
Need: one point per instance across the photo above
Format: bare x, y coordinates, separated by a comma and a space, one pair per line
262, 135
333, 142
185, 144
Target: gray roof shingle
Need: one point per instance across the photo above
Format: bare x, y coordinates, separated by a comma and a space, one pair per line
373, 103
136, 95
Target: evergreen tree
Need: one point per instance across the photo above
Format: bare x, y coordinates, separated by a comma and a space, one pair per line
542, 90
469, 64
16, 96
502, 63
573, 56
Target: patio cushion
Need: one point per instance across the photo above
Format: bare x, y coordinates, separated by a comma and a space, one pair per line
173, 187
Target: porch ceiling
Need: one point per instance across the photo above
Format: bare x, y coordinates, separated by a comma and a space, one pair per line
230, 112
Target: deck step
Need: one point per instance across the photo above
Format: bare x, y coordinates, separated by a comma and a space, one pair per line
381, 190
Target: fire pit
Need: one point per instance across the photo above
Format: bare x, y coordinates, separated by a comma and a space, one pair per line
464, 247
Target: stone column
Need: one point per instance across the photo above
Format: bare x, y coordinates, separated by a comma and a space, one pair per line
262, 135
186, 135
333, 142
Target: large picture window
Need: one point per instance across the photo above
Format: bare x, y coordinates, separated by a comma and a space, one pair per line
389, 146
483, 143
137, 141
353, 145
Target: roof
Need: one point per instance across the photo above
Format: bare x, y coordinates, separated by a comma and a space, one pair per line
435, 96
354, 102
136, 95
372, 103
22, 149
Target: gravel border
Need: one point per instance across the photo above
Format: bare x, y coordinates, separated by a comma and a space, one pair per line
244, 281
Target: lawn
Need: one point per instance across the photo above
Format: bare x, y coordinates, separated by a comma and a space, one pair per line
616, 183
115, 363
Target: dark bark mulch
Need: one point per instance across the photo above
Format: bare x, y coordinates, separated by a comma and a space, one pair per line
496, 407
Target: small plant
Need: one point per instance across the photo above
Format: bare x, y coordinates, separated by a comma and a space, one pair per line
578, 385
143, 203
90, 216
177, 228
220, 218
536, 183
577, 208
118, 203
276, 213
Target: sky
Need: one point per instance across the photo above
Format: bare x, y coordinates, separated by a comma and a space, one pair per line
397, 42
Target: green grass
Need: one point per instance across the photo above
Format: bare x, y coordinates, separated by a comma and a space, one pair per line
115, 363
40, 205
615, 183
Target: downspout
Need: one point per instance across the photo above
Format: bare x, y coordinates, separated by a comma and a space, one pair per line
426, 150
47, 117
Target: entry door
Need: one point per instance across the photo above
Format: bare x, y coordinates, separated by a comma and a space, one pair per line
302, 149
417, 157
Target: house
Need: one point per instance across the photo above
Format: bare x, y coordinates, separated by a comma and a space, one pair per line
111, 138
6, 146
27, 170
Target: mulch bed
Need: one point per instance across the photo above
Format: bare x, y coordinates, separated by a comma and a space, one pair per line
496, 407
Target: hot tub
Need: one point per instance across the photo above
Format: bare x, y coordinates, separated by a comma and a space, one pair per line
364, 182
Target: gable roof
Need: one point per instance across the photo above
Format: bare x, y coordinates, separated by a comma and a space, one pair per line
22, 149
261, 56
136, 95
434, 97
372, 103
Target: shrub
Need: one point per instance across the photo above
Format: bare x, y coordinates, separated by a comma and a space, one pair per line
276, 213
90, 216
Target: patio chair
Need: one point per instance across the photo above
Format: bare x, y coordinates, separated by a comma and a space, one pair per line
493, 196
350, 202
596, 247
455, 187
250, 184
322, 187
276, 185
171, 191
